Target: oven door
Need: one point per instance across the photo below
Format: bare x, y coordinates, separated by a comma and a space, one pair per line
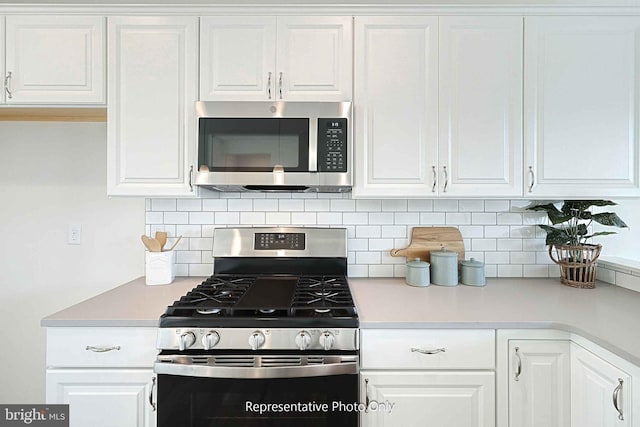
257, 390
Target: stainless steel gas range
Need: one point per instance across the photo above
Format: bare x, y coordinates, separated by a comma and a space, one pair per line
270, 339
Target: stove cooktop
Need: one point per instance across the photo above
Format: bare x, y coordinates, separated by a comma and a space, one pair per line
265, 301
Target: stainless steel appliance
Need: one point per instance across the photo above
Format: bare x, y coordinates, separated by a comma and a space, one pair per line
274, 146
270, 339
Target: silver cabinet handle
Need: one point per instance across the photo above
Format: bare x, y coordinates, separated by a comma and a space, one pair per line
434, 351
280, 84
519, 367
435, 179
366, 395
446, 179
616, 399
532, 182
191, 178
269, 85
98, 349
153, 386
7, 80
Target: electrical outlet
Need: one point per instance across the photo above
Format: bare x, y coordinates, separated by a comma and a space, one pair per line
75, 234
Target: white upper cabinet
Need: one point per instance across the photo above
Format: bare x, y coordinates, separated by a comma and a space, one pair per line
2, 73
438, 106
153, 85
480, 106
55, 59
293, 58
396, 106
581, 106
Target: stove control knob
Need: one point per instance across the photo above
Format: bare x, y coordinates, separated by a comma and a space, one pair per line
186, 340
210, 340
303, 340
256, 340
326, 340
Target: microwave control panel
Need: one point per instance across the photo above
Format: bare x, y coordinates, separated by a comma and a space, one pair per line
332, 145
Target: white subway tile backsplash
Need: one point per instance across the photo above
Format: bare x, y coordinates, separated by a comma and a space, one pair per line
368, 205
484, 218
394, 205
497, 205
471, 206
394, 231
606, 275
316, 205
214, 205
181, 269
498, 232
628, 281
303, 218
201, 217
420, 205
381, 218
265, 205
187, 205
176, 217
370, 231
163, 204
445, 205
252, 218
278, 218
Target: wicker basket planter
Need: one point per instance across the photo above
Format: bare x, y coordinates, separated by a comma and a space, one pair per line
577, 264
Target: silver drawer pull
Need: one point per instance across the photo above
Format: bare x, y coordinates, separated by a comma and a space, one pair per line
102, 349
519, 368
422, 351
616, 399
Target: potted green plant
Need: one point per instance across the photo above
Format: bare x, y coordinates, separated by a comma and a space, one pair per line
569, 233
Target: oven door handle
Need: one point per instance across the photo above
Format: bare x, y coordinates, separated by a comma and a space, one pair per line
208, 371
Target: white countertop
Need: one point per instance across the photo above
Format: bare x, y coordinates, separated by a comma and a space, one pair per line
607, 315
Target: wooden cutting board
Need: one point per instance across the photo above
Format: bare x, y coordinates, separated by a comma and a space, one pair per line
427, 239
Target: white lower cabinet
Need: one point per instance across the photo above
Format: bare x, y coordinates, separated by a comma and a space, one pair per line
601, 392
103, 397
105, 375
419, 398
539, 383
418, 377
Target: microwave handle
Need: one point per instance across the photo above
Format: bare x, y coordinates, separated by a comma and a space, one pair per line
313, 144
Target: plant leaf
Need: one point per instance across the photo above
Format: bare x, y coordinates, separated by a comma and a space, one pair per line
582, 230
609, 218
555, 236
555, 215
600, 233
583, 205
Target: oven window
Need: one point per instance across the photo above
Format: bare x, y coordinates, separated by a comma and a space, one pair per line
207, 402
254, 145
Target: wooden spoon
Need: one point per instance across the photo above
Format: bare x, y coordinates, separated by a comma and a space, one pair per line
175, 244
152, 244
161, 237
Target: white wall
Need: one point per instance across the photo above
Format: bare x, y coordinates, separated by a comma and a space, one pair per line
51, 175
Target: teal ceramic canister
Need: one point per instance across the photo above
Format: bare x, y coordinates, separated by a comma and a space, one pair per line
417, 273
444, 267
472, 273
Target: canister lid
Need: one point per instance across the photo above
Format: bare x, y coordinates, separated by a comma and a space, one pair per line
417, 263
472, 263
445, 253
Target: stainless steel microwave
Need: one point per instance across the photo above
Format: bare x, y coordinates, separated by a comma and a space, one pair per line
274, 146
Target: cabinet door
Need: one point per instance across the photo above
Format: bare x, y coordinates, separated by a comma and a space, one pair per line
55, 59
413, 398
480, 106
103, 397
396, 106
601, 394
581, 106
314, 58
237, 58
539, 383
153, 81
2, 73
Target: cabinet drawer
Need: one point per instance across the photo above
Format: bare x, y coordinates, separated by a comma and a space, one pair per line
410, 348
81, 347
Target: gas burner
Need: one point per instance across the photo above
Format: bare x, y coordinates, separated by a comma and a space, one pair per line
322, 293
